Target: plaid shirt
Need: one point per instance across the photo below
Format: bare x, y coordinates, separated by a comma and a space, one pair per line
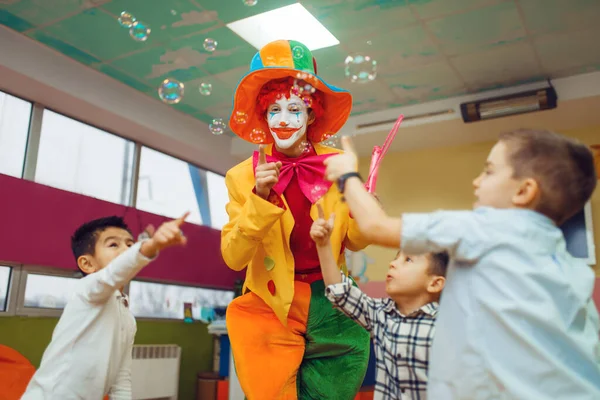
401, 342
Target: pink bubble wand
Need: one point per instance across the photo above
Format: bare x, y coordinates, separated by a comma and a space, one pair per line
378, 154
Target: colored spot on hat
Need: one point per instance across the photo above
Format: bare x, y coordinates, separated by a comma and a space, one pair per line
271, 287
269, 263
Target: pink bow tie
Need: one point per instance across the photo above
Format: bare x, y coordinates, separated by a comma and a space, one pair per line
309, 170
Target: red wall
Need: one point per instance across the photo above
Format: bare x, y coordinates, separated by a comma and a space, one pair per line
37, 221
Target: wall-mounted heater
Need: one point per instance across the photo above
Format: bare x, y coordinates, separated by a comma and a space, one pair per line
520, 103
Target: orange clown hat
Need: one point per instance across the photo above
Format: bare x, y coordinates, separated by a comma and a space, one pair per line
282, 59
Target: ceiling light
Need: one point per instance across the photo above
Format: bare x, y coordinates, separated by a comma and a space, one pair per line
291, 22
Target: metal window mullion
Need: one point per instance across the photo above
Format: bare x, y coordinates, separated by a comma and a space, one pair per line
33, 141
135, 174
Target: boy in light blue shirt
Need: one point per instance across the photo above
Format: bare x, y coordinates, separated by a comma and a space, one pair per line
516, 320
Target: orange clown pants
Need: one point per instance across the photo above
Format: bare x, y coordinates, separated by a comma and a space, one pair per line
321, 354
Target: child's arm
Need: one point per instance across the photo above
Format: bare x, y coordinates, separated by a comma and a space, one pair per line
339, 288
320, 232
377, 227
463, 234
373, 222
99, 286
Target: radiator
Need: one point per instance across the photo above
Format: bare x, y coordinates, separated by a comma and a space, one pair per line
155, 372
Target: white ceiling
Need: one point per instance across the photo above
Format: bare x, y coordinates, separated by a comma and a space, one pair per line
40, 74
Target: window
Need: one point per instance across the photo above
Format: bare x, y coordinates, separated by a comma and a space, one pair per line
165, 186
579, 235
217, 199
14, 127
48, 291
157, 300
4, 284
80, 158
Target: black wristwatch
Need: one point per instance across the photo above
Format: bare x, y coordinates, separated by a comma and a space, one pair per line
341, 182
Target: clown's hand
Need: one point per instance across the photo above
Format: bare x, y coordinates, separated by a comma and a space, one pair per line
266, 174
321, 229
343, 163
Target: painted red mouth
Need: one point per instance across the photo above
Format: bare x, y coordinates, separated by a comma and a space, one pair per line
285, 133
388, 278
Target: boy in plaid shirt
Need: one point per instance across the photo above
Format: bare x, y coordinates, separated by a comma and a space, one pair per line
403, 325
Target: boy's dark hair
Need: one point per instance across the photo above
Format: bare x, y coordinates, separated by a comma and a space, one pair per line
84, 239
439, 263
563, 168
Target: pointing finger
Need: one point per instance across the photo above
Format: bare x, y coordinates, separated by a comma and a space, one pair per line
262, 158
320, 211
179, 221
347, 145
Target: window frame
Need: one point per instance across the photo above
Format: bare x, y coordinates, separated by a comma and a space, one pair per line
35, 135
34, 124
589, 233
18, 285
39, 270
165, 282
13, 287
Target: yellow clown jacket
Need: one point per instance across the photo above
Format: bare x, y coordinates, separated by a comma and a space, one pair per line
258, 233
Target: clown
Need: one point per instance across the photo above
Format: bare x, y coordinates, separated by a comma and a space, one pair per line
287, 340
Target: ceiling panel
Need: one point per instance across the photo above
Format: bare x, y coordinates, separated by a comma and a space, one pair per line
425, 49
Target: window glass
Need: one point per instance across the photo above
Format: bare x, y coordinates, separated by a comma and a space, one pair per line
80, 158
217, 199
4, 284
158, 300
165, 186
14, 127
47, 291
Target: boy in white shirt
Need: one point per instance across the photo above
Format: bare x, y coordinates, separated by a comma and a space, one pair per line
90, 352
516, 320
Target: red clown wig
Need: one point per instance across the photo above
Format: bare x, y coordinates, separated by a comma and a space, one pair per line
278, 88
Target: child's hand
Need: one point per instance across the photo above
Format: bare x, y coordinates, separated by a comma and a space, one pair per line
321, 229
168, 234
341, 164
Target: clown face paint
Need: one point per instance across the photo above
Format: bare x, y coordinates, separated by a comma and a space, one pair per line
288, 120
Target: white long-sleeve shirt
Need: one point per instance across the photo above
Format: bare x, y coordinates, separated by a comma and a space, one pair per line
90, 352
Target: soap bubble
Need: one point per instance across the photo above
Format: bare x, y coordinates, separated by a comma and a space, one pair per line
304, 83
302, 87
170, 91
318, 191
305, 147
126, 19
139, 31
205, 89
360, 69
210, 44
240, 117
217, 127
173, 12
250, 3
258, 136
306, 76
298, 52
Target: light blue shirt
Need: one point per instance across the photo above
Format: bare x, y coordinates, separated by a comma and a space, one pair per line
516, 318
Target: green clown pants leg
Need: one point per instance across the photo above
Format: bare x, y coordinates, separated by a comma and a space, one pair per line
337, 352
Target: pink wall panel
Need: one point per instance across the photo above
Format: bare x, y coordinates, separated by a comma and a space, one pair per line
37, 221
